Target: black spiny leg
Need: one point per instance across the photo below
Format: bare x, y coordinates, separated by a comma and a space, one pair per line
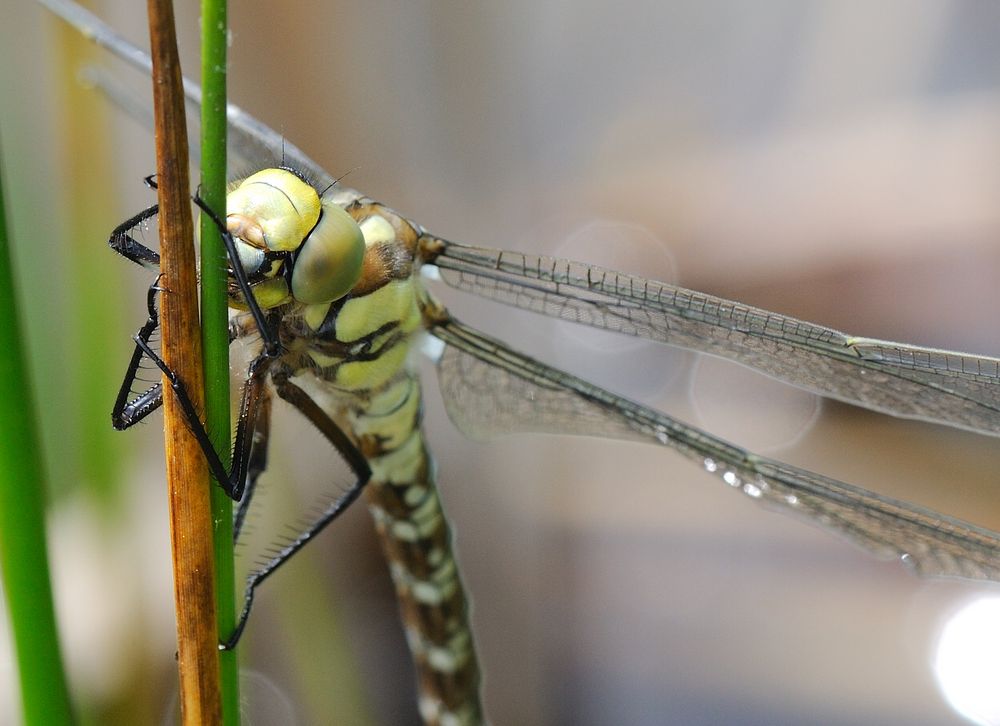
233, 482
253, 428
257, 463
126, 413
127, 246
319, 418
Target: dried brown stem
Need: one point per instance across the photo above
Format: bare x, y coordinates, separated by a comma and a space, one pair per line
187, 473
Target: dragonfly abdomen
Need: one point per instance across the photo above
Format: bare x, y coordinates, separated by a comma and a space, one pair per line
416, 540
360, 346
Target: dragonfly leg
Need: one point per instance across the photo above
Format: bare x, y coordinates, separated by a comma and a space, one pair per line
127, 246
125, 412
309, 408
254, 402
190, 414
233, 482
257, 462
259, 439
128, 412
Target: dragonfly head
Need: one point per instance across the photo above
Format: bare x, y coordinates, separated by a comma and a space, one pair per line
292, 245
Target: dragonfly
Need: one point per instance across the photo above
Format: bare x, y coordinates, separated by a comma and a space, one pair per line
356, 345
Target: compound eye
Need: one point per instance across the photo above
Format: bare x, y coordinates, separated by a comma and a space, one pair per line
272, 209
329, 263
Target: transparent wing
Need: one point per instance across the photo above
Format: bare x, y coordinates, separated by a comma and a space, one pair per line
952, 388
902, 380
488, 388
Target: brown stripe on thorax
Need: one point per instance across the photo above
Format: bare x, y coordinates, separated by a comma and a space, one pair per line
384, 261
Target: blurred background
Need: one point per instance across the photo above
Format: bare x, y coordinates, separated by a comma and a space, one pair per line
832, 161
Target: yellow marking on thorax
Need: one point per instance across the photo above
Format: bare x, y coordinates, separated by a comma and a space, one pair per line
370, 374
376, 229
323, 360
392, 302
314, 315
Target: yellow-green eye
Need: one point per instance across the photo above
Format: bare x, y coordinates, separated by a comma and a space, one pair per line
272, 209
329, 263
